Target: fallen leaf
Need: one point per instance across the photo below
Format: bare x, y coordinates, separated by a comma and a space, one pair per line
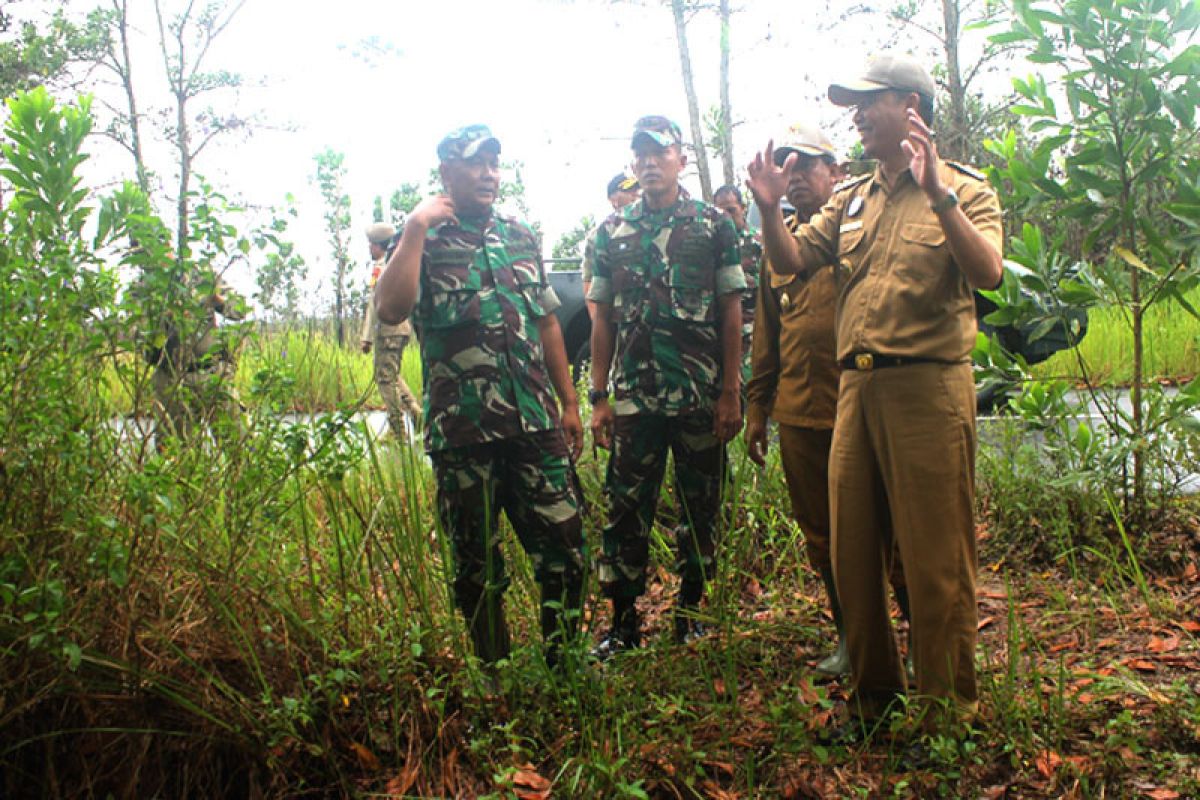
399, 785
994, 595
754, 588
721, 766
1140, 664
719, 687
366, 759
1084, 697
529, 784
1047, 763
1164, 644
1163, 794
994, 792
1190, 626
985, 622
1190, 573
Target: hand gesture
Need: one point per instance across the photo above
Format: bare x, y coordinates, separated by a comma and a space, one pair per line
756, 440
573, 430
767, 182
602, 423
728, 420
922, 156
433, 211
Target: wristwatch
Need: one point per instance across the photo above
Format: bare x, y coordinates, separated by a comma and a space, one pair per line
946, 203
596, 395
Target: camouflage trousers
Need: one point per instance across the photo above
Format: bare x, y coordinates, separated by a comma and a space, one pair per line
397, 397
187, 401
531, 478
641, 443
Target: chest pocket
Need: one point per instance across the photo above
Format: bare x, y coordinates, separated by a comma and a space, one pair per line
850, 247
528, 282
630, 293
450, 290
922, 250
691, 278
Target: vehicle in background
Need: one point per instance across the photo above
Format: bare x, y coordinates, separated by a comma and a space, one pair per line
1018, 339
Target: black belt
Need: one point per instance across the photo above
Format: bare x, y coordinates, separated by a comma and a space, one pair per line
869, 361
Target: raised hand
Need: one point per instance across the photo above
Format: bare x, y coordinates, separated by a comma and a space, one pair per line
433, 211
767, 182
922, 156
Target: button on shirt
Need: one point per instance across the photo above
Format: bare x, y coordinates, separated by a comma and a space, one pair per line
482, 290
900, 291
662, 271
795, 374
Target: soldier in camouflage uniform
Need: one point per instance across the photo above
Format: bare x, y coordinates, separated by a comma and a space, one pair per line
668, 323
728, 198
388, 342
193, 363
491, 349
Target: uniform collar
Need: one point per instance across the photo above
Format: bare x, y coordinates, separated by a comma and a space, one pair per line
877, 181
683, 207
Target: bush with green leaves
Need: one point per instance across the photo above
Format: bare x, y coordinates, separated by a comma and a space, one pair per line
1110, 190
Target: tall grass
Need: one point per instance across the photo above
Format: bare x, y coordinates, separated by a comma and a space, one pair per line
1172, 345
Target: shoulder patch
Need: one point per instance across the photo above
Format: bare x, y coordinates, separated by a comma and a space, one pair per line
968, 171
850, 183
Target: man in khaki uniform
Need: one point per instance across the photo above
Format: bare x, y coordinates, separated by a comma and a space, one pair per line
795, 374
910, 241
389, 342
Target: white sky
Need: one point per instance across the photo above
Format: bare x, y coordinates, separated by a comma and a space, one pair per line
560, 83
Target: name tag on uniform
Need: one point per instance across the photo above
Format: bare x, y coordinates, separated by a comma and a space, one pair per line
847, 227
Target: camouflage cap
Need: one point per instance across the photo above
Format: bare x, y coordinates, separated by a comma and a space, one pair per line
380, 233
660, 130
884, 71
806, 139
621, 183
466, 141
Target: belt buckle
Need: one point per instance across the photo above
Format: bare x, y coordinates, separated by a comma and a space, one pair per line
864, 361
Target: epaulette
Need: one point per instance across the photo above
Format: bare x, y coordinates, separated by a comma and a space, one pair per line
965, 170
850, 183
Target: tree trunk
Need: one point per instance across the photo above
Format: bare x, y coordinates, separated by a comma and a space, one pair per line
953, 144
726, 105
689, 87
339, 304
125, 71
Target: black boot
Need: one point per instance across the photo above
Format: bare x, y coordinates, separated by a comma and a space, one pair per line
561, 611
626, 631
838, 662
489, 632
687, 627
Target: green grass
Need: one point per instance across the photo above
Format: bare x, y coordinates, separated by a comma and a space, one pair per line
273, 616
1172, 346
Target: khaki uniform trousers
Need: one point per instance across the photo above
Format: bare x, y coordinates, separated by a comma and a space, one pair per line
397, 397
903, 477
804, 453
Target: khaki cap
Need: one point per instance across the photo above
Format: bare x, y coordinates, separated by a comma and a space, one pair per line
806, 139
884, 71
380, 233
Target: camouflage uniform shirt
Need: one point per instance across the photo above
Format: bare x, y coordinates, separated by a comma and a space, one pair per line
482, 290
662, 271
751, 252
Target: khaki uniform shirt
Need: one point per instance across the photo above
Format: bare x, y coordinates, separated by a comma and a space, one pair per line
794, 372
371, 326
899, 291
